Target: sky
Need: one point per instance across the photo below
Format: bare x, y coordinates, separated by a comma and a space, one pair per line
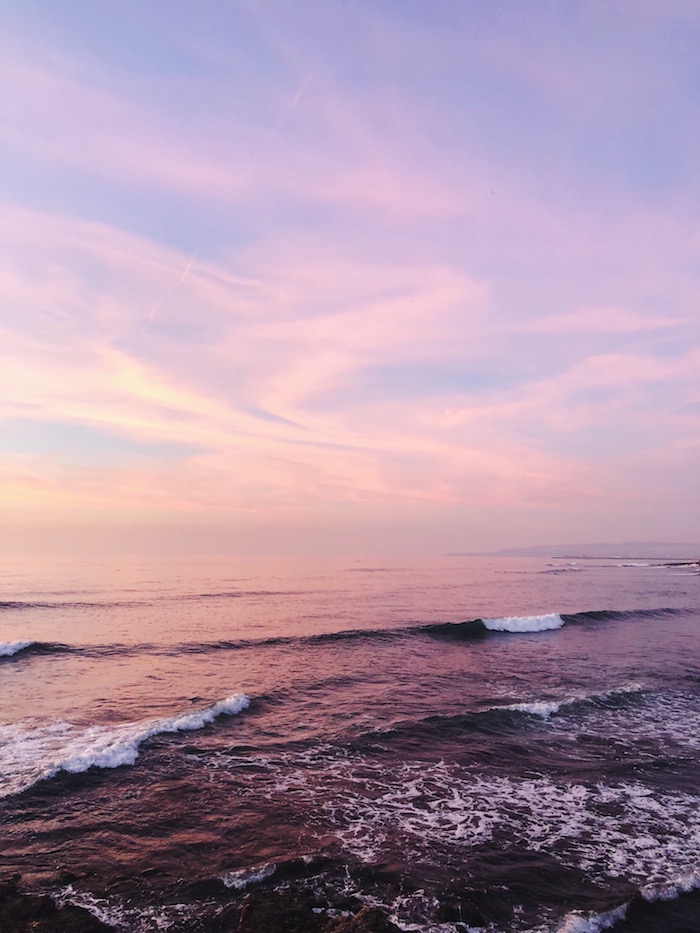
382, 276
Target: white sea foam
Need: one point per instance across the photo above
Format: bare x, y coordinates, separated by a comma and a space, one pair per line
623, 830
125, 916
238, 880
668, 721
578, 922
8, 648
416, 912
542, 623
670, 890
543, 708
30, 753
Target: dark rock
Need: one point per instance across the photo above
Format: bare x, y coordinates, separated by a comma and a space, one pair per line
461, 910
368, 920
225, 921
64, 877
204, 889
279, 912
293, 868
34, 913
378, 875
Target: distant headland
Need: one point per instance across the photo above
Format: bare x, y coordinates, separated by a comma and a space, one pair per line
627, 550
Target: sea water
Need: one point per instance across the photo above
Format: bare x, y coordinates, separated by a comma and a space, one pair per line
470, 743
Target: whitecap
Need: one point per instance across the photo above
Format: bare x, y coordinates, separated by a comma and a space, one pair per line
577, 922
239, 880
543, 708
8, 648
669, 890
540, 623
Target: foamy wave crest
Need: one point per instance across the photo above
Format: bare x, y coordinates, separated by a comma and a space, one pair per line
239, 880
8, 648
543, 708
669, 890
547, 708
543, 623
577, 922
29, 755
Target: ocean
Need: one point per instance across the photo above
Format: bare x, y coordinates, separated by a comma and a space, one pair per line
495, 744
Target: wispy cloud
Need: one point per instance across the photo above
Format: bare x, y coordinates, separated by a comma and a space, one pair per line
340, 287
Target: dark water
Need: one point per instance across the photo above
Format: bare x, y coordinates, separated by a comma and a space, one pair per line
497, 745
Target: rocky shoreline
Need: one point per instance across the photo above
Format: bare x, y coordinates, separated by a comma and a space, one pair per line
259, 912
39, 913
296, 909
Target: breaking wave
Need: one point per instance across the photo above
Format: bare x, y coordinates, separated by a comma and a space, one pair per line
504, 719
670, 890
579, 922
29, 755
245, 877
590, 922
542, 623
10, 649
478, 628
547, 708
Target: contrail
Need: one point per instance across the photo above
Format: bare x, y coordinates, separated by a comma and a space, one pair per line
172, 288
292, 104
288, 109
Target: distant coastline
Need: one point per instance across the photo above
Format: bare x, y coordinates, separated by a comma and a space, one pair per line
628, 550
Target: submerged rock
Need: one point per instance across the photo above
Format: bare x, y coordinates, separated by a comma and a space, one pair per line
278, 912
299, 912
368, 920
37, 913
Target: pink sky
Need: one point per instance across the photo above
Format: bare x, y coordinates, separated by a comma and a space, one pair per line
348, 278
